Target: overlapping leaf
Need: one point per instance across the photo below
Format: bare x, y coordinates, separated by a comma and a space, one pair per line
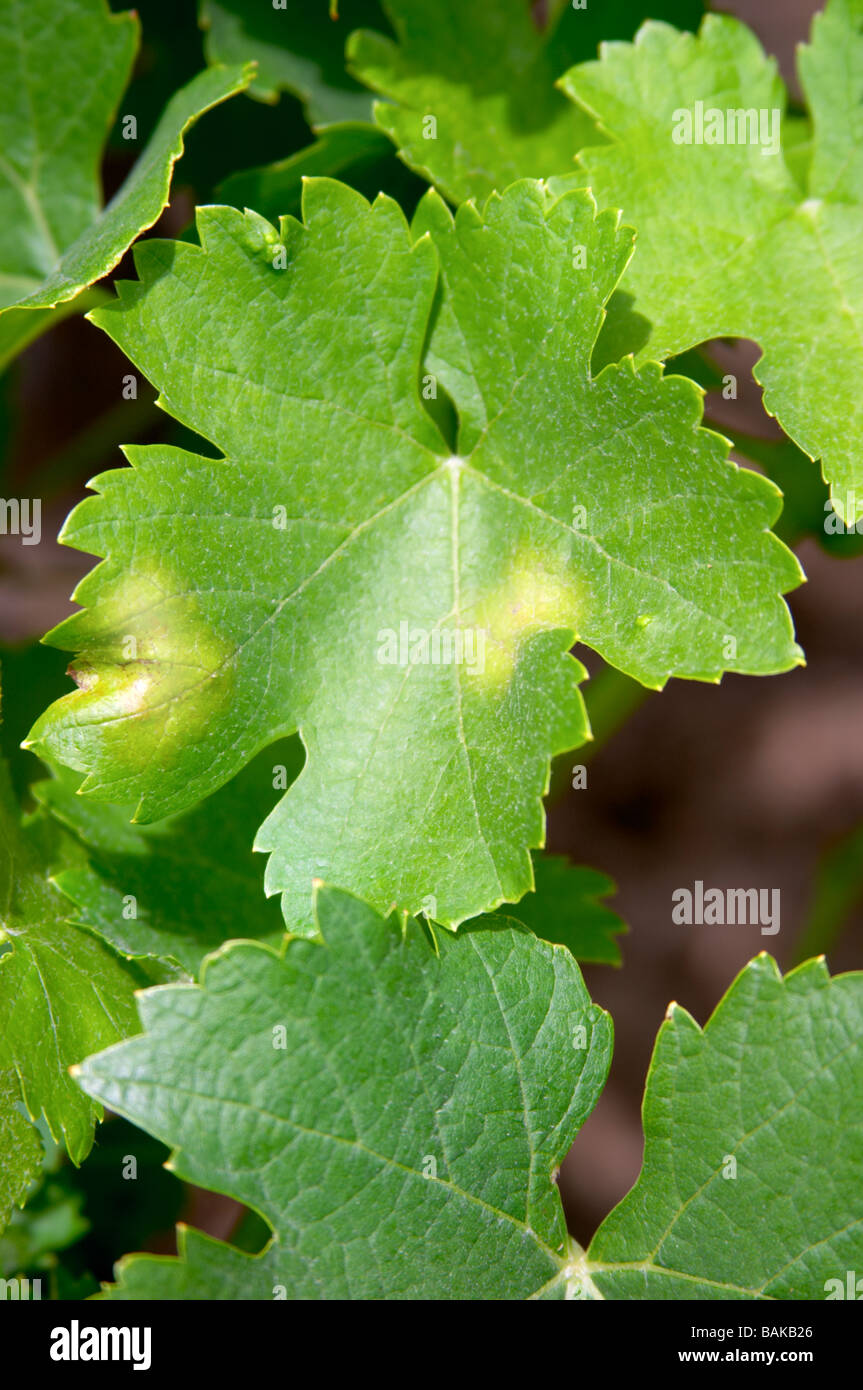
355, 151
62, 993
20, 1148
836, 892
52, 1221
344, 570
395, 1114
195, 884
754, 1133
63, 67
472, 104
725, 244
753, 1149
177, 889
297, 46
566, 907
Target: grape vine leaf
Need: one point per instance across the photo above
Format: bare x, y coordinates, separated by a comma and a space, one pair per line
726, 246
20, 1148
62, 992
478, 100
354, 151
753, 1128
734, 1200
192, 879
566, 908
31, 676
471, 99
806, 507
51, 1221
829, 70
836, 893
343, 571
54, 240
406, 1151
298, 47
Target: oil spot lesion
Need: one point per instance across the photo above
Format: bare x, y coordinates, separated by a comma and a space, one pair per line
531, 596
152, 674
132, 684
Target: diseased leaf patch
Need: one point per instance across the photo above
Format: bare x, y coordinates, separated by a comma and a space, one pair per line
344, 571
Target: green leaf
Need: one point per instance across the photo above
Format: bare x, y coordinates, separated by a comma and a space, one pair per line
830, 69
402, 1151
772, 1083
502, 365
54, 240
734, 1200
62, 992
20, 1148
806, 506
297, 47
52, 1221
193, 879
278, 587
472, 104
55, 121
473, 90
837, 889
566, 908
31, 676
726, 247
356, 152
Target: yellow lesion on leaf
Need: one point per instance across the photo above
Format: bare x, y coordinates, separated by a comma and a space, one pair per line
531, 597
148, 658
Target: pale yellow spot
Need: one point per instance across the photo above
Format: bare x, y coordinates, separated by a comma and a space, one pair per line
531, 598
147, 655
133, 697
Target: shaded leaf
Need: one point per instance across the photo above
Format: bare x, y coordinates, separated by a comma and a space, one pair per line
471, 99
19, 1146
192, 881
753, 1128
566, 908
62, 992
356, 152
400, 1151
298, 47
